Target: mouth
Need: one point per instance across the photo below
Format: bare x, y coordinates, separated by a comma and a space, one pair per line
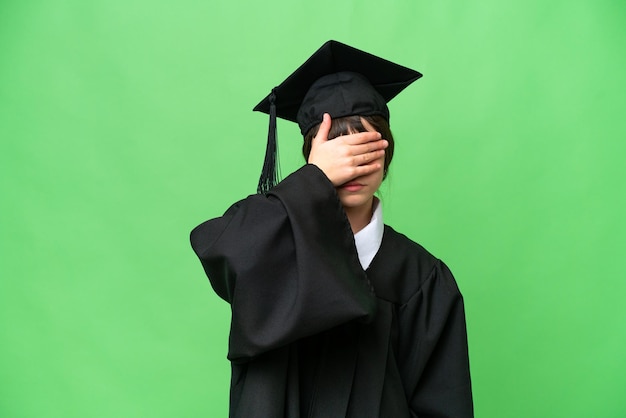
352, 186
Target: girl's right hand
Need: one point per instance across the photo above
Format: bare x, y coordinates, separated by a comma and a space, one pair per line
348, 156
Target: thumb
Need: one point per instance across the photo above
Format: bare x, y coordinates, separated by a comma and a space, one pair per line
322, 132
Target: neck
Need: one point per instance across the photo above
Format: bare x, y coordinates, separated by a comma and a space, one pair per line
359, 216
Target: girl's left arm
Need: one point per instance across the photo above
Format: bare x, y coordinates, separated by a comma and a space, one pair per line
433, 352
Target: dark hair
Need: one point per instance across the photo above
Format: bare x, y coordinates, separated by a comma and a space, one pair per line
351, 124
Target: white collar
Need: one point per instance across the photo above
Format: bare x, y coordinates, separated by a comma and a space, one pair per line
368, 239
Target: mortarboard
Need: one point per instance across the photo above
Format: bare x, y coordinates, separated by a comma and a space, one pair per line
337, 79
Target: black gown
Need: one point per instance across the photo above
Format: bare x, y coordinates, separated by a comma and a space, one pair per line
313, 334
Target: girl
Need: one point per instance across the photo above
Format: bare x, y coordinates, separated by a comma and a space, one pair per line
335, 314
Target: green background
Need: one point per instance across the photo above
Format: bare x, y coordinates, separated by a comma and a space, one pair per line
123, 124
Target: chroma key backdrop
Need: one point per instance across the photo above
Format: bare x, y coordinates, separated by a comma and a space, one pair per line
123, 124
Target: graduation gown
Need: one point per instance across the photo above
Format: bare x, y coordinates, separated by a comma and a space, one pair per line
313, 334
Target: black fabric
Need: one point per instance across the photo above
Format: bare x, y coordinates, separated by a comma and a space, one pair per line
340, 94
312, 334
337, 79
385, 77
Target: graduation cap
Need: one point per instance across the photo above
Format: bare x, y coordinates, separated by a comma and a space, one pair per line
337, 79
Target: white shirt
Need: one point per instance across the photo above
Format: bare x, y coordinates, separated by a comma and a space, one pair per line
368, 239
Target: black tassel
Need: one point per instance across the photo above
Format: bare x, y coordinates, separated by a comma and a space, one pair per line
271, 171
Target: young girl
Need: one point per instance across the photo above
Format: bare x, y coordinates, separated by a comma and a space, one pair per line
335, 314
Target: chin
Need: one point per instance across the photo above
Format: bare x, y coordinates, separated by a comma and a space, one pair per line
354, 201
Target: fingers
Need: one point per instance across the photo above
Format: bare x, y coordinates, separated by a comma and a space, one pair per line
367, 158
361, 138
365, 169
368, 147
348, 156
322, 132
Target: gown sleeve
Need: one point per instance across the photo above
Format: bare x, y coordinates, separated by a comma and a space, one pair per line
433, 349
287, 264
